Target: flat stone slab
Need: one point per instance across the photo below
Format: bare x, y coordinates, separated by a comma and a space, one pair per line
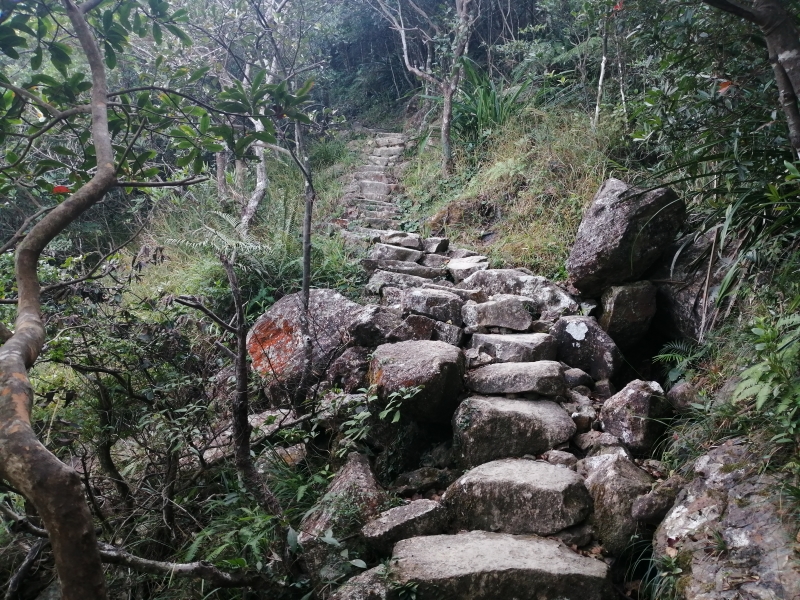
541, 377
518, 496
461, 268
503, 310
550, 299
436, 304
389, 252
401, 266
491, 566
381, 279
421, 517
520, 347
486, 429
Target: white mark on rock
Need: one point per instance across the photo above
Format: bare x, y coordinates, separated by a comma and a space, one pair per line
787, 55
577, 330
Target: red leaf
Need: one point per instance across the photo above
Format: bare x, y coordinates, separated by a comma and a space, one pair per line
723, 87
619, 6
61, 189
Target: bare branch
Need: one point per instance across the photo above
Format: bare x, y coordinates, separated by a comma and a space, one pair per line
193, 302
21, 231
160, 184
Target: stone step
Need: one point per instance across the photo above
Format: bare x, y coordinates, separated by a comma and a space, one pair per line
490, 566
402, 266
545, 377
388, 151
378, 175
489, 428
375, 187
379, 214
380, 161
390, 140
519, 496
376, 197
378, 205
382, 223
391, 252
515, 347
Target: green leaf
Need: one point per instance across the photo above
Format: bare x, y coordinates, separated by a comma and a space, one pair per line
179, 33
198, 74
157, 36
358, 563
36, 59
205, 123
111, 56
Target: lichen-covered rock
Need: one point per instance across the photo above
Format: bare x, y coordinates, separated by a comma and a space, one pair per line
352, 498
373, 326
433, 245
728, 530
654, 506
623, 233
577, 377
436, 304
275, 342
594, 443
404, 267
436, 366
582, 343
448, 333
382, 279
614, 482
502, 310
349, 371
413, 327
627, 311
518, 496
682, 396
489, 566
636, 415
486, 429
420, 517
521, 347
541, 377
369, 585
461, 268
561, 458
549, 299
388, 252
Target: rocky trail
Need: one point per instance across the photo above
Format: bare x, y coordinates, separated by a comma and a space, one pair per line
525, 471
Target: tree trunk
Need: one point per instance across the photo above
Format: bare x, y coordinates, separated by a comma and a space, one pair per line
222, 182
601, 81
50, 485
448, 90
310, 197
262, 184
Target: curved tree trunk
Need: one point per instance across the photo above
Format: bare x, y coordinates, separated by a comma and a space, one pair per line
50, 485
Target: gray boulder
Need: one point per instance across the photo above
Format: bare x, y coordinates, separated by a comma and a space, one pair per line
275, 342
486, 429
596, 443
448, 333
436, 304
436, 366
461, 268
518, 496
730, 530
636, 415
349, 371
582, 343
389, 252
413, 327
623, 233
404, 267
423, 480
549, 299
432, 245
373, 326
524, 347
436, 261
420, 517
402, 238
501, 310
614, 483
541, 377
627, 311
576, 377
382, 279
654, 506
355, 487
488, 566
369, 585
681, 397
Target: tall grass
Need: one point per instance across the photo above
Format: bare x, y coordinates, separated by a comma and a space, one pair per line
521, 197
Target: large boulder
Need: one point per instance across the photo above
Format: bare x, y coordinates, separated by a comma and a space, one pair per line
614, 482
637, 415
275, 342
545, 377
549, 299
436, 304
518, 496
519, 347
583, 344
488, 566
627, 311
420, 517
623, 233
682, 277
729, 530
349, 371
374, 326
352, 498
485, 429
502, 310
436, 366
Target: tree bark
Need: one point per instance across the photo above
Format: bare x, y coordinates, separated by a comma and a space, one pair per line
222, 182
448, 91
50, 485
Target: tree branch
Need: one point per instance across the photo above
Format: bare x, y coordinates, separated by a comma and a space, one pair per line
160, 184
21, 231
192, 302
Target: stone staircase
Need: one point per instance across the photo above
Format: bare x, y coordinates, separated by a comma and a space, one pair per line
499, 531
